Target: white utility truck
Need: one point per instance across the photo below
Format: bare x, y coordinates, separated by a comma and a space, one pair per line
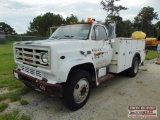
76, 57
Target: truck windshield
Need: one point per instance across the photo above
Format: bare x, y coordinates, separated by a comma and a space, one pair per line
75, 31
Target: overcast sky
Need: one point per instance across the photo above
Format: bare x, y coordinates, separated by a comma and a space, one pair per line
18, 13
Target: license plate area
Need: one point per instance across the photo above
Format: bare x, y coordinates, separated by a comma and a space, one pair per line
41, 86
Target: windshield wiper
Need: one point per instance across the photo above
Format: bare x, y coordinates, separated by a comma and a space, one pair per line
69, 36
55, 37
80, 38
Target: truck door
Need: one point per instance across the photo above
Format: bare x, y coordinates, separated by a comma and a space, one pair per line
101, 49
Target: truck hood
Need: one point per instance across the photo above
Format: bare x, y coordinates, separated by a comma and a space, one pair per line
60, 45
49, 42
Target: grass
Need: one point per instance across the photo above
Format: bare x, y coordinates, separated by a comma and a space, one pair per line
3, 106
14, 115
144, 69
15, 95
8, 46
7, 79
151, 54
7, 64
24, 102
3, 96
140, 82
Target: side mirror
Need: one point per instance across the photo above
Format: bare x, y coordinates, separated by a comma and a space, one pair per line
111, 30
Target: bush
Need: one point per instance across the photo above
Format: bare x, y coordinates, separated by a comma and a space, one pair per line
2, 40
14, 115
24, 102
3, 106
15, 96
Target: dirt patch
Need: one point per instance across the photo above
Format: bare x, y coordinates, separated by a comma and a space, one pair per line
4, 90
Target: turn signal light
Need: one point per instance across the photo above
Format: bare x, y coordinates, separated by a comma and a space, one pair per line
89, 20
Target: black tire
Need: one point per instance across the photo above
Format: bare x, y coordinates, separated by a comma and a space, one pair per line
79, 81
133, 70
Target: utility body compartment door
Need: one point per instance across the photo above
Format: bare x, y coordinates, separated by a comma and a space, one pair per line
128, 54
124, 50
119, 55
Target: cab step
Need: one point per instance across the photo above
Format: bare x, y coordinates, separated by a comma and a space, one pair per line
104, 78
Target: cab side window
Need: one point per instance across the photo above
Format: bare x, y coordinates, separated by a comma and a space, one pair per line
98, 33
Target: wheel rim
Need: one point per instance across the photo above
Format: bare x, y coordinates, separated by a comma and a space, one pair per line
136, 67
81, 90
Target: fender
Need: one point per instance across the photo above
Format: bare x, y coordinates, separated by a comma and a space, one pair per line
137, 54
68, 65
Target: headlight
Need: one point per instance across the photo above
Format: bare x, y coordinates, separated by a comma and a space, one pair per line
17, 53
44, 58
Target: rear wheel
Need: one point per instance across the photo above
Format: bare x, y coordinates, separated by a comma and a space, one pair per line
77, 89
133, 70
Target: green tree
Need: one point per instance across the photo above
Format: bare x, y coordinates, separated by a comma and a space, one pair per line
82, 21
113, 15
127, 28
143, 21
71, 18
42, 23
111, 8
6, 29
123, 28
157, 26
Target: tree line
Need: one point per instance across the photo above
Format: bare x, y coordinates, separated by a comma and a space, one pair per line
40, 26
141, 22
6, 29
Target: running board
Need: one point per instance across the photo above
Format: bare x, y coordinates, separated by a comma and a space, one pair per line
104, 78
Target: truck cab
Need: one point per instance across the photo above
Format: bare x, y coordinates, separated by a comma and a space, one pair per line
76, 57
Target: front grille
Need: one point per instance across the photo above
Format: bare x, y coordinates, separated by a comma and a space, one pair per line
30, 71
32, 56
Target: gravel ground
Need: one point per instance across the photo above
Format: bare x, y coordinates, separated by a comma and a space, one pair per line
109, 101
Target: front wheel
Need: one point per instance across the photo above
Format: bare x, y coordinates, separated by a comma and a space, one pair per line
133, 70
77, 89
